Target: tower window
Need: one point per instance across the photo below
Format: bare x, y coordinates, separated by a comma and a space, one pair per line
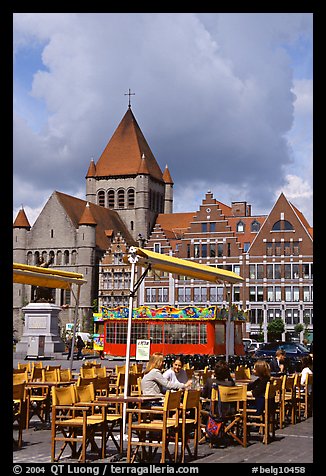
121, 198
111, 199
131, 198
101, 198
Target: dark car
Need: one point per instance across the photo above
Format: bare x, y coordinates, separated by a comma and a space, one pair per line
292, 349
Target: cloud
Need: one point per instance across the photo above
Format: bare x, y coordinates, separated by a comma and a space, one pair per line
214, 97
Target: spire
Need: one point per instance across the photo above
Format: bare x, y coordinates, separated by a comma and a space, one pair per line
123, 153
167, 176
91, 169
143, 168
87, 217
21, 220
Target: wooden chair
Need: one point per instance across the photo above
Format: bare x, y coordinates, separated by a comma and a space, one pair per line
50, 375
21, 377
102, 386
24, 366
305, 398
190, 422
86, 381
64, 375
242, 373
154, 429
73, 424
87, 372
235, 421
136, 368
19, 371
53, 367
266, 421
38, 365
19, 411
278, 384
36, 374
100, 371
289, 399
120, 369
87, 365
190, 373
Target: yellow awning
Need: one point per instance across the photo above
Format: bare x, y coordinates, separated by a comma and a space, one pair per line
183, 267
45, 277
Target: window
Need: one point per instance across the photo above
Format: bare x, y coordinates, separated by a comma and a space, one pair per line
121, 198
131, 198
66, 257
306, 293
260, 271
277, 271
236, 293
236, 269
111, 198
287, 271
270, 293
188, 251
288, 293
255, 226
278, 294
240, 227
296, 293
157, 247
287, 248
101, 198
269, 271
305, 270
204, 227
260, 294
196, 251
212, 227
252, 271
295, 271
219, 250
282, 225
252, 294
228, 249
269, 249
287, 225
212, 252
246, 246
204, 251
278, 248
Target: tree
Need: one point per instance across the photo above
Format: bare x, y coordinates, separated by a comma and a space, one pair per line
275, 328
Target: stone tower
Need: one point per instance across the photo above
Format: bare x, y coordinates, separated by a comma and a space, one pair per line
128, 179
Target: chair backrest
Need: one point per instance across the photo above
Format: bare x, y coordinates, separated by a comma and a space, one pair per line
120, 369
38, 365
85, 393
18, 391
172, 403
53, 367
102, 386
87, 372
191, 399
190, 373
19, 371
136, 368
24, 366
64, 375
50, 375
100, 371
63, 395
36, 373
20, 378
242, 373
288, 384
237, 393
278, 383
86, 381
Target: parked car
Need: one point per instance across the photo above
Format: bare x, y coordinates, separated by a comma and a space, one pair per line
292, 349
253, 347
247, 342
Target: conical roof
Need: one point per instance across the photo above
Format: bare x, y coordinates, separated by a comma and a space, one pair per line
123, 154
21, 220
87, 217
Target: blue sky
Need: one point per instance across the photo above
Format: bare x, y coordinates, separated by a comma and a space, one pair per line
224, 99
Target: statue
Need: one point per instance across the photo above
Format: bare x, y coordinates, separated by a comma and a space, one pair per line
43, 294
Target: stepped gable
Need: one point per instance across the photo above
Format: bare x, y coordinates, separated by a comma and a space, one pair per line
104, 218
21, 220
123, 153
247, 236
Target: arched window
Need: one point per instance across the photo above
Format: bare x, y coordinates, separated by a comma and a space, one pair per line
131, 198
111, 198
51, 257
121, 198
282, 225
29, 257
73, 257
66, 257
240, 227
59, 257
255, 226
101, 198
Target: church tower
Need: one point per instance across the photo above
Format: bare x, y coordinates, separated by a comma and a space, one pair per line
128, 179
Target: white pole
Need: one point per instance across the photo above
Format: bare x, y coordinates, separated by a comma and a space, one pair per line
228, 345
75, 324
133, 258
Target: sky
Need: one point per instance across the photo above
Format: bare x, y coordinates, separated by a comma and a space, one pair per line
223, 99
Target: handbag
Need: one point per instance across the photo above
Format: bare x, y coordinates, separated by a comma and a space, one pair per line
215, 424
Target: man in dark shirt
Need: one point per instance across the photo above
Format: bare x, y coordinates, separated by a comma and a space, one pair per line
279, 364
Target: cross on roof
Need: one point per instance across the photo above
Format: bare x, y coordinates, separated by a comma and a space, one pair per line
129, 94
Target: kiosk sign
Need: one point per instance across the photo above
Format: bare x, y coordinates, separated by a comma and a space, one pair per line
143, 349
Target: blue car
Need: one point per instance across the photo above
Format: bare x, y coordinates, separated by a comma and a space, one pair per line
292, 349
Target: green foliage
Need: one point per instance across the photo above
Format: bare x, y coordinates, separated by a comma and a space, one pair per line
276, 326
298, 328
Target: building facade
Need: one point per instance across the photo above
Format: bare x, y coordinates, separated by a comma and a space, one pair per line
129, 201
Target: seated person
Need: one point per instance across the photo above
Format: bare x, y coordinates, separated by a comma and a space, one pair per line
222, 376
258, 386
306, 366
154, 383
176, 373
279, 364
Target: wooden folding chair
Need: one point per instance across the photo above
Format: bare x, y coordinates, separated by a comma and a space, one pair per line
64, 375
19, 411
278, 384
24, 366
87, 372
289, 399
50, 375
74, 424
100, 371
21, 377
53, 367
190, 422
36, 373
235, 417
154, 428
305, 398
242, 373
266, 421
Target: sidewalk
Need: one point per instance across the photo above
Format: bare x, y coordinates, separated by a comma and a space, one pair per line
293, 444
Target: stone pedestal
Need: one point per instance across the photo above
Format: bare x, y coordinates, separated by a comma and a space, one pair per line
41, 331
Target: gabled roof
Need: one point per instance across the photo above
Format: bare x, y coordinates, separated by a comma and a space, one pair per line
175, 224
247, 236
21, 220
104, 218
123, 153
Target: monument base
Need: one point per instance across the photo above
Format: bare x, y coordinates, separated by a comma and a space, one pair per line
41, 331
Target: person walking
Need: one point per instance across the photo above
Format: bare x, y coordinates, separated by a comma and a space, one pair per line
80, 344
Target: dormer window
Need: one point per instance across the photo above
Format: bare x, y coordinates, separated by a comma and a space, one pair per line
255, 226
240, 227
